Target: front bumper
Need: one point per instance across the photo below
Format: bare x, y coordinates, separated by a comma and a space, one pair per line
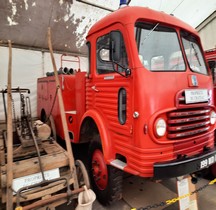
184, 166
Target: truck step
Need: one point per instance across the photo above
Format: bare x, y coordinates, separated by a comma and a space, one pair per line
118, 164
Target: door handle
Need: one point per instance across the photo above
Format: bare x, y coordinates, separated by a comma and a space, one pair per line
94, 88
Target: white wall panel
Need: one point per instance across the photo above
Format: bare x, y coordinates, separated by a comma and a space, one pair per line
207, 31
27, 66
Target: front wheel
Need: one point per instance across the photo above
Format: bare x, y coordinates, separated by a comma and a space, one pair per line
106, 180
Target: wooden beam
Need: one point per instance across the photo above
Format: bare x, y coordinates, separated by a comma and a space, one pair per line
9, 204
52, 199
62, 113
31, 166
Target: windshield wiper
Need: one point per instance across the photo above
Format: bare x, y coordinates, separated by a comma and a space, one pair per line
151, 31
196, 54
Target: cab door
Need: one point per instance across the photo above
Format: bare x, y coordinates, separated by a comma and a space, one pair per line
111, 84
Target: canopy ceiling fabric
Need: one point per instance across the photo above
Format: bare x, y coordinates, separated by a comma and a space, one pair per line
25, 22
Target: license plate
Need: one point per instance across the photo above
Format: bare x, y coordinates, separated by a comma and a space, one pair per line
26, 181
207, 162
196, 96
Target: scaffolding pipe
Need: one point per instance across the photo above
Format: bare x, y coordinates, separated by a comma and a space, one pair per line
96, 5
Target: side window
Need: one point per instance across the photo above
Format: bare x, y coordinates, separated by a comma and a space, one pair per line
193, 53
104, 63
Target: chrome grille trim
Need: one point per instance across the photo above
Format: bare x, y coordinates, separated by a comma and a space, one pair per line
185, 123
187, 127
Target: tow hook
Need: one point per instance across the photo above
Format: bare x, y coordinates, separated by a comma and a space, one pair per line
194, 179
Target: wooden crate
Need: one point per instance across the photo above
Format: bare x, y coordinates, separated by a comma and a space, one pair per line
26, 163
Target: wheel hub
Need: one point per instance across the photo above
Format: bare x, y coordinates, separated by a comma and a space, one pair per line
99, 170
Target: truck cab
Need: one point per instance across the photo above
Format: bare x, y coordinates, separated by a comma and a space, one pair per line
150, 85
149, 89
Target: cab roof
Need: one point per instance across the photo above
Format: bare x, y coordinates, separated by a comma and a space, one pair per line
130, 14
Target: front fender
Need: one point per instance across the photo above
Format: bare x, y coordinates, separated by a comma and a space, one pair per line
103, 131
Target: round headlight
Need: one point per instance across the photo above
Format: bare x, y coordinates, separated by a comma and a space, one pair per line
160, 127
212, 117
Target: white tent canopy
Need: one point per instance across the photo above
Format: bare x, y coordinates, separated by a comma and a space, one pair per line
192, 12
25, 22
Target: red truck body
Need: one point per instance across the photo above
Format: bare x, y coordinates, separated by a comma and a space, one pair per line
73, 93
211, 54
211, 58
153, 114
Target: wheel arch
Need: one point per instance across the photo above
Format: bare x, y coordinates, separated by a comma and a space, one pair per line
93, 118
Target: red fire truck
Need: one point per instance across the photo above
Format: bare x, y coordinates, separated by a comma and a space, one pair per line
144, 106
211, 58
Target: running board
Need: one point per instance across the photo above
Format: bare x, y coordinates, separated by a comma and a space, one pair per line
118, 164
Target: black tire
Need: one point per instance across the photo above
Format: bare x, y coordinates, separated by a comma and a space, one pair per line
106, 180
213, 170
2, 206
43, 116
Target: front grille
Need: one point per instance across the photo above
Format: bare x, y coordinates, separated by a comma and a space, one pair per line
186, 123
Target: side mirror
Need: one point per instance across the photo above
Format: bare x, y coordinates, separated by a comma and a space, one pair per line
115, 46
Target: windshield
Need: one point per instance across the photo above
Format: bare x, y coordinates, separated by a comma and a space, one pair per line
158, 47
193, 53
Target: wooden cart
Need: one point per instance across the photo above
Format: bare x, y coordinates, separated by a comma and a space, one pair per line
35, 172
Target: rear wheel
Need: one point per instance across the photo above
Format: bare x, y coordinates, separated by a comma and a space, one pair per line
106, 180
213, 170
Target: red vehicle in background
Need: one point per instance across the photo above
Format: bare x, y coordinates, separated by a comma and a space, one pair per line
211, 58
144, 106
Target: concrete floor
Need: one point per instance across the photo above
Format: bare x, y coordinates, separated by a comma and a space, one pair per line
138, 192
